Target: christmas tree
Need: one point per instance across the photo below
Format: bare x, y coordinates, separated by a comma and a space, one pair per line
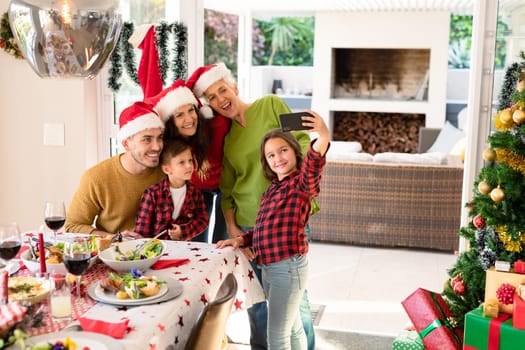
496, 228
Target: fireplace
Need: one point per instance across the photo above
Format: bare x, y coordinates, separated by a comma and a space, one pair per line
379, 132
389, 74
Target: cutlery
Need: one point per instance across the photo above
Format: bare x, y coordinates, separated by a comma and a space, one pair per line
146, 242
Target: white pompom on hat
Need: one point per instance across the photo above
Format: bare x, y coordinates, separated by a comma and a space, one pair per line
205, 76
138, 117
173, 97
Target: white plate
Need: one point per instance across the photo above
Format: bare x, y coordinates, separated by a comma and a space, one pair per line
109, 297
89, 339
174, 289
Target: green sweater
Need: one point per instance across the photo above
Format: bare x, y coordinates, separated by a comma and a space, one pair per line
242, 180
109, 194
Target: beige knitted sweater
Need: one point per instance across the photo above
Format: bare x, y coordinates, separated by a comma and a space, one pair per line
108, 198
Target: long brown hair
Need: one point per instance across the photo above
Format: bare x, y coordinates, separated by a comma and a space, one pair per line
199, 142
290, 140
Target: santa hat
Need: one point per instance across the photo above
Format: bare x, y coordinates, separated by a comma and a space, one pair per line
175, 96
205, 76
136, 118
149, 69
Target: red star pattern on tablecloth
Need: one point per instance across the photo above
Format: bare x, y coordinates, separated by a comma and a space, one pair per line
250, 275
204, 259
161, 327
203, 299
207, 280
181, 321
187, 302
236, 260
225, 261
238, 304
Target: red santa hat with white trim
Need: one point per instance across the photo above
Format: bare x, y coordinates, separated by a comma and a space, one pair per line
138, 117
205, 76
175, 96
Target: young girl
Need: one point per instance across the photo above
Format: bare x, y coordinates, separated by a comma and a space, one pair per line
278, 238
173, 204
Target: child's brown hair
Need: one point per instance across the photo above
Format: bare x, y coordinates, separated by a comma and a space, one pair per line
290, 140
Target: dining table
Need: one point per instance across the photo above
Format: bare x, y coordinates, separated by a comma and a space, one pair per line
154, 326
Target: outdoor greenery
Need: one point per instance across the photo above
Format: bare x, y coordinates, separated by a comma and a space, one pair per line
289, 41
461, 42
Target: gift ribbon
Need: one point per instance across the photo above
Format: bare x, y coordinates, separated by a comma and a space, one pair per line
494, 330
439, 322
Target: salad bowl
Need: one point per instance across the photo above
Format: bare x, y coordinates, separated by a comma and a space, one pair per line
123, 257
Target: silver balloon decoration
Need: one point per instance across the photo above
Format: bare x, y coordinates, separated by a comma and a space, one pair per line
65, 38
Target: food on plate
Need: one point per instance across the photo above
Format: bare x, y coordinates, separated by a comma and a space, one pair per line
67, 344
132, 285
30, 289
150, 250
103, 242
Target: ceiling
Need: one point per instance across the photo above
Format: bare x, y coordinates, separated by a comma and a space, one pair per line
258, 8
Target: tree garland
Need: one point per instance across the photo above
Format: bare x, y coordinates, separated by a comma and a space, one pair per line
124, 51
7, 40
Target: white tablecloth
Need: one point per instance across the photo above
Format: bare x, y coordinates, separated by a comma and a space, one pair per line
156, 326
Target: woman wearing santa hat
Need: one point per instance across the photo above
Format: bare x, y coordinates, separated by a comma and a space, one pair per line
185, 118
242, 180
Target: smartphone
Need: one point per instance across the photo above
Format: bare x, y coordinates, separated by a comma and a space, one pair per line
293, 121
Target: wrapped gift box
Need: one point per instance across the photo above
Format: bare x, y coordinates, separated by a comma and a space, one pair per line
407, 340
477, 333
518, 316
495, 279
430, 316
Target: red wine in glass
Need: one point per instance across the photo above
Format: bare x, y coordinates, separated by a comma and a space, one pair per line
55, 222
55, 216
77, 264
76, 257
9, 249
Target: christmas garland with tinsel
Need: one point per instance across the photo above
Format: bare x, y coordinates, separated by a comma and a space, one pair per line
124, 54
7, 40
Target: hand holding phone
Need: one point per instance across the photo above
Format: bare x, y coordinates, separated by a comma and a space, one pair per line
293, 121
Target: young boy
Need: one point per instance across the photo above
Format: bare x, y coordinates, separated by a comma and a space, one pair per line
173, 204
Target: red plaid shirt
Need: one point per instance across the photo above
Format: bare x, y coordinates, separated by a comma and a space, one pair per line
279, 231
156, 210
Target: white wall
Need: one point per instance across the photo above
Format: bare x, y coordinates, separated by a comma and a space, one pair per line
405, 30
31, 172
296, 80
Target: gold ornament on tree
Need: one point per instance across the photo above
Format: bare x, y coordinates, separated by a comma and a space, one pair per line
505, 116
497, 194
518, 116
489, 155
484, 187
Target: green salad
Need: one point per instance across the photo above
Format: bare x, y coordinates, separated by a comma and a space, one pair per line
150, 250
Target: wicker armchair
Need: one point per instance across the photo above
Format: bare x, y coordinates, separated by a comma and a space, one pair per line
389, 205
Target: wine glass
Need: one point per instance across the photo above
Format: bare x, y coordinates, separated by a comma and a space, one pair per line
10, 240
55, 216
76, 257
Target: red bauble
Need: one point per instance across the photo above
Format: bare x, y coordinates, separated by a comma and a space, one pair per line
478, 221
505, 293
459, 288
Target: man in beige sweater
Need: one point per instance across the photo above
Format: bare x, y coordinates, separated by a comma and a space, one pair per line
109, 194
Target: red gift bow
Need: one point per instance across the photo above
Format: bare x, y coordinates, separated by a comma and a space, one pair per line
115, 330
164, 264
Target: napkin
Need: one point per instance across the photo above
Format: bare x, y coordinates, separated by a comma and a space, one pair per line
115, 330
11, 314
164, 264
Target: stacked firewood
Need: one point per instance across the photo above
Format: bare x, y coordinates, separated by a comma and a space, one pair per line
379, 132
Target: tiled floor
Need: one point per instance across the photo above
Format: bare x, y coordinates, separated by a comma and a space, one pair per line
362, 288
